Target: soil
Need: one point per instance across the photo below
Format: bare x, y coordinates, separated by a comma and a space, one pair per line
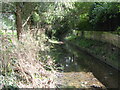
78, 80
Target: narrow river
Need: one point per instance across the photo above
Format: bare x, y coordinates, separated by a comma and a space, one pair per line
81, 70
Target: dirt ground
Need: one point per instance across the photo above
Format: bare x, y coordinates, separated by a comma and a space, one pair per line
78, 80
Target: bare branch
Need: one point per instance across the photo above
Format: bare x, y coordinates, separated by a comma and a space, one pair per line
27, 20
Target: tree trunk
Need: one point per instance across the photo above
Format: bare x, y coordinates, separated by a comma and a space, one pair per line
82, 34
18, 20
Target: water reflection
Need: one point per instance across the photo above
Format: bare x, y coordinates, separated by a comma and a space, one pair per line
75, 60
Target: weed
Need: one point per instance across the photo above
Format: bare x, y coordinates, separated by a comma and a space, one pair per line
23, 62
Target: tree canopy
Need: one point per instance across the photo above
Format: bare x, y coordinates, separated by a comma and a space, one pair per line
63, 17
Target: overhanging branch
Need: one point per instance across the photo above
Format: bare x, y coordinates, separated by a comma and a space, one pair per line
27, 19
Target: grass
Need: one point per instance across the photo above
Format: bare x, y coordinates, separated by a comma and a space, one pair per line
9, 32
102, 49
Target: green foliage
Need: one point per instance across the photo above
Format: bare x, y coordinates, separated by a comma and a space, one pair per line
36, 17
8, 21
101, 12
61, 19
84, 22
98, 48
1, 33
65, 16
75, 19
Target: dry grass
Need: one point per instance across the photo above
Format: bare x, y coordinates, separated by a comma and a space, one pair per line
26, 60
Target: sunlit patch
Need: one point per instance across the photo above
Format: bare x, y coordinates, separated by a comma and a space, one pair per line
78, 80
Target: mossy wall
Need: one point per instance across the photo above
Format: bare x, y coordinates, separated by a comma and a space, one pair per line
104, 37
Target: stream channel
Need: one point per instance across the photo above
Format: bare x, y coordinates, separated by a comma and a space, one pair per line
81, 70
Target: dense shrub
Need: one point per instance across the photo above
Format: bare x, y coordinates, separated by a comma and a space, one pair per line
106, 15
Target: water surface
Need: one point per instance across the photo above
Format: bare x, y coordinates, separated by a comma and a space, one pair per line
84, 66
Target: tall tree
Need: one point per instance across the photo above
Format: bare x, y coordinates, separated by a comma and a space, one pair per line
22, 11
18, 20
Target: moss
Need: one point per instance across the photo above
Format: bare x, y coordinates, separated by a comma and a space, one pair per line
101, 49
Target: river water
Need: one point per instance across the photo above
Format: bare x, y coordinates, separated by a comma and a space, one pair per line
81, 70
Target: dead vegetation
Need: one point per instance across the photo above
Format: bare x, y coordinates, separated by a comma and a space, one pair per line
24, 62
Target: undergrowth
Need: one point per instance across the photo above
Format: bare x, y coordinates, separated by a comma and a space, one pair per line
107, 51
26, 63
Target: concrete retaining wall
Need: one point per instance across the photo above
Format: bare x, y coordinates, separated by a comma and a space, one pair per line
104, 37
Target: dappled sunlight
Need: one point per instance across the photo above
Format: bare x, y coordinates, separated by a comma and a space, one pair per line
25, 62
78, 80
59, 45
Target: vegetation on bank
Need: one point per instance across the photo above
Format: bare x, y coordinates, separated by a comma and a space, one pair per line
106, 51
25, 54
60, 19
26, 63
